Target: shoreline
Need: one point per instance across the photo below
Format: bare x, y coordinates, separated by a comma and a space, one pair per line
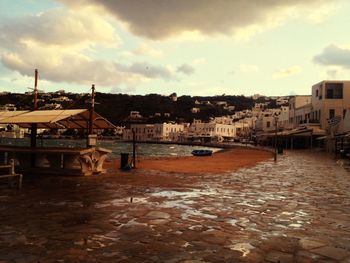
226, 160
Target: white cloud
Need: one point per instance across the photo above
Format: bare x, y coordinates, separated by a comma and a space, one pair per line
159, 19
286, 72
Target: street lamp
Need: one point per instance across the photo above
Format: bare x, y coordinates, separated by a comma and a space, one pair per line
276, 122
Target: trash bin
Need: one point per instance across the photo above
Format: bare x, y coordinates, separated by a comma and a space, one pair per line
124, 160
280, 150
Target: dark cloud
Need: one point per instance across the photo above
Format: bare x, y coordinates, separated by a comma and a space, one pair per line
159, 19
334, 56
151, 71
185, 69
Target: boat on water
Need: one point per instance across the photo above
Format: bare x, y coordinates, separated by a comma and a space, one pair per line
202, 152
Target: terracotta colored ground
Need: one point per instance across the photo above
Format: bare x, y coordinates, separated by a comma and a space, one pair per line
224, 161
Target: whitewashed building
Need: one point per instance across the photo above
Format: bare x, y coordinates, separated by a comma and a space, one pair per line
154, 132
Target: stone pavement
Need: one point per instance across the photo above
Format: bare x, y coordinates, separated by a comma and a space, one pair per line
295, 210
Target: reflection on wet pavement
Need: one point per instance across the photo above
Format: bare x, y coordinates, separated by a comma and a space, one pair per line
295, 210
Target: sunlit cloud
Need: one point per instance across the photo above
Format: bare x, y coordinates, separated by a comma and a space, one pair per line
60, 27
62, 45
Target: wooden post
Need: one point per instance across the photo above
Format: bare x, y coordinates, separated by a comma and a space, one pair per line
134, 149
90, 128
34, 126
275, 156
311, 141
92, 109
33, 131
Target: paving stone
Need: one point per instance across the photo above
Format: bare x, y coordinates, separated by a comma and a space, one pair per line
264, 200
308, 244
158, 215
332, 252
194, 261
307, 257
279, 257
347, 260
158, 221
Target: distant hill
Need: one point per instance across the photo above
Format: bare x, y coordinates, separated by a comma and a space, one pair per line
153, 107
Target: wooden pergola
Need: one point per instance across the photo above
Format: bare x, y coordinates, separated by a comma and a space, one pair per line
63, 160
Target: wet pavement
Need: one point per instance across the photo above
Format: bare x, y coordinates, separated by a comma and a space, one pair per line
295, 210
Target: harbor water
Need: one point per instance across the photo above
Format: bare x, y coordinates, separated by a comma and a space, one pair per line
142, 149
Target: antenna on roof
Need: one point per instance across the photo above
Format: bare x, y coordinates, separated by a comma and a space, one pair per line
36, 91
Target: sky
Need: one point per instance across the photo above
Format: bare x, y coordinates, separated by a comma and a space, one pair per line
191, 47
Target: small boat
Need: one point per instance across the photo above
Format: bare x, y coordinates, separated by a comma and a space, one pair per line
202, 152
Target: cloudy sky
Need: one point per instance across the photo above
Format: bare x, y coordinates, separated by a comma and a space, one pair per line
191, 47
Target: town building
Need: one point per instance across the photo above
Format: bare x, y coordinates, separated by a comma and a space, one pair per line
330, 99
296, 104
154, 132
211, 131
135, 115
283, 118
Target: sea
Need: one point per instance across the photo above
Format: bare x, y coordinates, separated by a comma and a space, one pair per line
117, 147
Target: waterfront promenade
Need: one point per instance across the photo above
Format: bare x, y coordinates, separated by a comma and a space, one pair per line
295, 210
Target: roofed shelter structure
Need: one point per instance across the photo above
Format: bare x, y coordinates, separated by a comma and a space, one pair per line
83, 161
59, 119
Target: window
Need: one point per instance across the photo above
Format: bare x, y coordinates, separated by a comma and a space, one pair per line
316, 93
331, 113
334, 90
268, 124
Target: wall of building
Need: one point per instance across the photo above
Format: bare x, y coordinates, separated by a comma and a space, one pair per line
296, 102
153, 132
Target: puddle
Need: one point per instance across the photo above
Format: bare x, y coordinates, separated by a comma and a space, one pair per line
122, 201
131, 222
62, 203
245, 248
185, 194
232, 222
294, 225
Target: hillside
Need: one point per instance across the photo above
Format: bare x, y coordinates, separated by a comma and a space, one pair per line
117, 107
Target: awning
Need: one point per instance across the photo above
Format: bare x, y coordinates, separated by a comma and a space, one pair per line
7, 114
61, 119
305, 131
